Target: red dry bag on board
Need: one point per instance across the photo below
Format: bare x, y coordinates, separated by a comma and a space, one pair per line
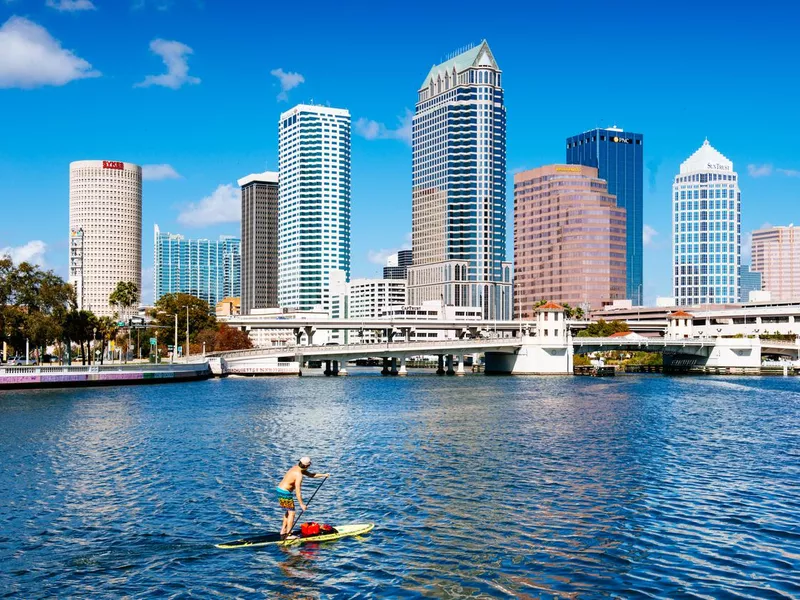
307, 529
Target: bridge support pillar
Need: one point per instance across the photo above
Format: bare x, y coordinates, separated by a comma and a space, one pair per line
440, 368
403, 371
335, 370
460, 369
328, 371
309, 331
394, 367
298, 336
385, 369
450, 370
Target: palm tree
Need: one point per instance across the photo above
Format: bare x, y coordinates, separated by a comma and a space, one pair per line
124, 296
107, 328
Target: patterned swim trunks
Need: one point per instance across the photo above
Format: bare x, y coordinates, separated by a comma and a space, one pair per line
285, 499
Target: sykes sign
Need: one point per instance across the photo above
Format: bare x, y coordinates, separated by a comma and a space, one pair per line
113, 164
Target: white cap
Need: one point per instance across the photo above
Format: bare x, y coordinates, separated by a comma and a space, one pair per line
306, 461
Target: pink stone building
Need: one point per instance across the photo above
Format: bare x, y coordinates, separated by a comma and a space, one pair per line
776, 255
569, 239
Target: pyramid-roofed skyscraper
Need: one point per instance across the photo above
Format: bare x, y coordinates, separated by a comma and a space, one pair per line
459, 186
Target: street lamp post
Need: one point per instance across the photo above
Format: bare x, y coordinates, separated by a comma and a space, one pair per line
186, 354
175, 346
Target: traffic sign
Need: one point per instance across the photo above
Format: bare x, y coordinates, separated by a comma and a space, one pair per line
120, 323
170, 347
153, 341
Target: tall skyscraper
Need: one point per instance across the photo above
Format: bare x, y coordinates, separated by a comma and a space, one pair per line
569, 239
706, 221
397, 265
207, 269
458, 219
105, 221
259, 241
619, 158
776, 255
749, 281
314, 206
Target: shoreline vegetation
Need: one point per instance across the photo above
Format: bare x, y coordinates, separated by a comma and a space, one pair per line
40, 322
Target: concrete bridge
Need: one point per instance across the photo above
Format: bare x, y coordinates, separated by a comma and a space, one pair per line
518, 355
543, 346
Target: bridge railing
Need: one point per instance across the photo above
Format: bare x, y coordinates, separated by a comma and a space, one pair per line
424, 346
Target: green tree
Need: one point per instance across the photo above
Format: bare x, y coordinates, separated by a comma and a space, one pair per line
124, 297
169, 305
603, 328
80, 327
33, 305
106, 330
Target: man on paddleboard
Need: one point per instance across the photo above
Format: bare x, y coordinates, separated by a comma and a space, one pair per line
293, 481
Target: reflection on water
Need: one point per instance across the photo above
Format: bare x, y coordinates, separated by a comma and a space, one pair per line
480, 487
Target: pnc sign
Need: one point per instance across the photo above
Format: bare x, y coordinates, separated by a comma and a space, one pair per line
113, 164
621, 140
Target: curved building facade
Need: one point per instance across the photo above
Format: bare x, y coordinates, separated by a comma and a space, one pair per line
105, 221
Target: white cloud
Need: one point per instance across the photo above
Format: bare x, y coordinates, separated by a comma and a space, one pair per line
71, 5
147, 286
159, 172
175, 56
379, 257
224, 205
648, 235
30, 57
373, 130
759, 170
32, 252
747, 247
288, 81
766, 170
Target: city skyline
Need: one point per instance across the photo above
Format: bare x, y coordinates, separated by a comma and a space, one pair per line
193, 143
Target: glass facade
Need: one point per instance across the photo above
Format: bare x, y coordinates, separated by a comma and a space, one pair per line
398, 269
314, 203
459, 186
619, 158
749, 281
706, 229
207, 269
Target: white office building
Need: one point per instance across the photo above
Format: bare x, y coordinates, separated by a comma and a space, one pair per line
706, 222
314, 203
361, 299
105, 222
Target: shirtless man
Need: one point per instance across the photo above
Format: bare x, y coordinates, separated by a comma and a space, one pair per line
293, 481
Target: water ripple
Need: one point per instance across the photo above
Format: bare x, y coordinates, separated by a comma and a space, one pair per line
637, 487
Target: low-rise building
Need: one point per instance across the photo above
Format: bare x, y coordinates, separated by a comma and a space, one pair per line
229, 307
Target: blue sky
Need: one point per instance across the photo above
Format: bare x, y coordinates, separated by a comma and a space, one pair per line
88, 79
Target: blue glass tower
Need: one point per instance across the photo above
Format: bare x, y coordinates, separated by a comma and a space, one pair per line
458, 220
618, 157
207, 269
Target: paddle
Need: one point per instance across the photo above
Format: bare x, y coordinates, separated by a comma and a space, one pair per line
300, 514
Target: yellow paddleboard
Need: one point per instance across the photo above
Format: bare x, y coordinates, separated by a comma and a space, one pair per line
275, 538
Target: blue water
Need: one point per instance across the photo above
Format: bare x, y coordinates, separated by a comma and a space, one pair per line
631, 487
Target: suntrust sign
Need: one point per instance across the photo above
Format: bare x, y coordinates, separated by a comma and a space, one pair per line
718, 167
113, 164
